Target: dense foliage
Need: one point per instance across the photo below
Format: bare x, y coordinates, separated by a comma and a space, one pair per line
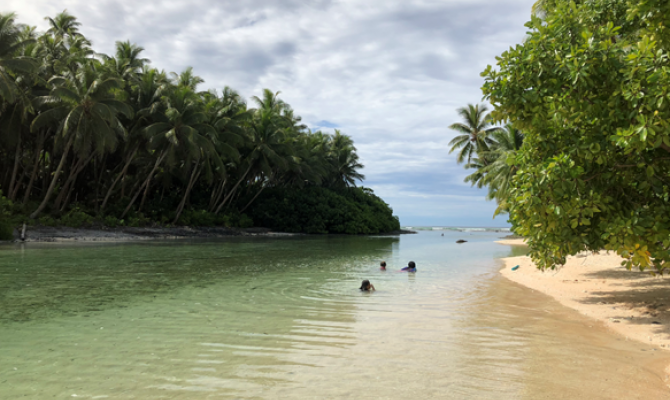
322, 210
590, 88
86, 136
6, 229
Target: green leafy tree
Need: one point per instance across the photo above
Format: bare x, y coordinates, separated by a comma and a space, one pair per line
589, 88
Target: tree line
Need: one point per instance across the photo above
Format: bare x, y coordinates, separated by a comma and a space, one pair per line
112, 137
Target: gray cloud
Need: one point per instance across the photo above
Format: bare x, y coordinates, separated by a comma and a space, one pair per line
390, 73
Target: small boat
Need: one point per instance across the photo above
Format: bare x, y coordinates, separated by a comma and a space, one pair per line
515, 268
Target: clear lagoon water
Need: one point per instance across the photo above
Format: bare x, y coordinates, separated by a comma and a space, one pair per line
282, 317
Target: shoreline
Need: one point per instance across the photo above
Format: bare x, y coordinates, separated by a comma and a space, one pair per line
46, 234
633, 304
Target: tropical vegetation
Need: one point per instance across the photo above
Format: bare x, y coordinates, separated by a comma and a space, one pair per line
487, 149
590, 89
87, 137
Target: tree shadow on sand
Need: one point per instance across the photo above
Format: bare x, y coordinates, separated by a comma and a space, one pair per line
645, 302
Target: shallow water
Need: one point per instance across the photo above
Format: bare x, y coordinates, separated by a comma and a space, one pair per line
256, 318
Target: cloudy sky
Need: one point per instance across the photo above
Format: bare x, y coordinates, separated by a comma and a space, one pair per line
389, 73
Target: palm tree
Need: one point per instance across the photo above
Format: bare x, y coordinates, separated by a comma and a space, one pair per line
83, 108
63, 24
497, 173
344, 161
145, 99
11, 63
475, 132
181, 129
267, 141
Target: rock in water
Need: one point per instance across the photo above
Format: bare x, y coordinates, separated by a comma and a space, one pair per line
461, 241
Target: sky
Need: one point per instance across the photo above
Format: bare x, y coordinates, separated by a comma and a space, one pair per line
389, 73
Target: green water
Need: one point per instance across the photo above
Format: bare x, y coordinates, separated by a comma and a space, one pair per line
275, 318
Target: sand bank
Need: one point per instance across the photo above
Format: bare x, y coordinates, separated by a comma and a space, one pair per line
129, 234
632, 303
512, 242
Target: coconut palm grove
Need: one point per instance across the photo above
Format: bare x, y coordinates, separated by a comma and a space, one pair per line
88, 138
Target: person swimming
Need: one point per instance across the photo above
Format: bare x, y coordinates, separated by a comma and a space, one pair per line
382, 265
366, 286
411, 267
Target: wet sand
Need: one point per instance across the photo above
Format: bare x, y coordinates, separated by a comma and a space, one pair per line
632, 304
511, 344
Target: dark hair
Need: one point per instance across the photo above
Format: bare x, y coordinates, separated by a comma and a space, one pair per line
411, 264
365, 285
383, 263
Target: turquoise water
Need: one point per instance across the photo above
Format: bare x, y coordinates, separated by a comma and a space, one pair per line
281, 317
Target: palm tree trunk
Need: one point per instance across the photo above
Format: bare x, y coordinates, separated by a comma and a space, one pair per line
123, 172
73, 180
144, 196
194, 176
101, 170
36, 165
216, 195
53, 180
225, 199
17, 157
254, 198
77, 165
146, 182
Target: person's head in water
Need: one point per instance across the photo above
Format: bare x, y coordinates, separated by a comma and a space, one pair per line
411, 267
382, 265
367, 286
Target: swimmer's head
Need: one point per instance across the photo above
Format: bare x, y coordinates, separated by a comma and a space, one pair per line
365, 285
411, 264
382, 264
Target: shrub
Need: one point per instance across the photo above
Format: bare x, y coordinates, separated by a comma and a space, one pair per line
47, 221
321, 210
76, 218
112, 222
6, 230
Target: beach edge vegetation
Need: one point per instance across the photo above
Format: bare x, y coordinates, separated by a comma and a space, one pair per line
91, 139
590, 89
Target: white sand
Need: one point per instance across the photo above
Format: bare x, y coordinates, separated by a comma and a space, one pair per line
633, 304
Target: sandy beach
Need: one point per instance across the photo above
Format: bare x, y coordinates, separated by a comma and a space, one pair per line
633, 304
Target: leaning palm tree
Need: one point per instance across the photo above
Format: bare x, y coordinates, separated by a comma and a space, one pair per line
178, 133
84, 111
475, 132
268, 149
